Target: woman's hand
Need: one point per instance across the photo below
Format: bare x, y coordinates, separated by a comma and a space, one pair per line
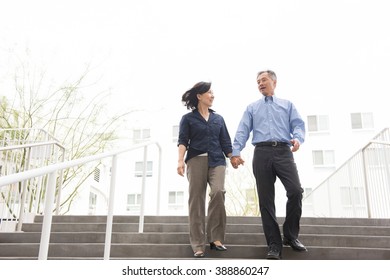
180, 167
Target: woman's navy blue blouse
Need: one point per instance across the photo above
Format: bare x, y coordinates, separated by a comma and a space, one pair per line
201, 136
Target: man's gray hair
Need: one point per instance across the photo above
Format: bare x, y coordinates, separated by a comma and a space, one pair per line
270, 73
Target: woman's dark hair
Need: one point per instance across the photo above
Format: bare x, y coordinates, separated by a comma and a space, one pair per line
189, 98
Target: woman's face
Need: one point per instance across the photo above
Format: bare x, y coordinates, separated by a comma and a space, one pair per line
206, 98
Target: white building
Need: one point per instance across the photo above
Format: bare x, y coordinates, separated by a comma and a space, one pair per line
332, 137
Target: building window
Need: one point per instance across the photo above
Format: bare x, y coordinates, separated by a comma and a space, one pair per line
141, 134
362, 120
139, 168
96, 175
176, 200
351, 196
318, 123
377, 156
323, 158
175, 133
306, 194
92, 202
133, 202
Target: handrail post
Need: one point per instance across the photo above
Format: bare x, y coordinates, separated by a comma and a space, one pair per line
47, 218
24, 194
110, 213
58, 198
141, 215
366, 182
61, 178
159, 180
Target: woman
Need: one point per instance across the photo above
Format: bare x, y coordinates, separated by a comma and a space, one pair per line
204, 141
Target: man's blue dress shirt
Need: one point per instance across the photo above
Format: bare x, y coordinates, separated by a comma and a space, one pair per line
270, 119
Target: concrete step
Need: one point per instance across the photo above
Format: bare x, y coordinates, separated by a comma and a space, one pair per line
230, 228
183, 251
230, 220
323, 240
166, 237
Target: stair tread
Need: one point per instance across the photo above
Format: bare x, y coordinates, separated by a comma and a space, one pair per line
82, 237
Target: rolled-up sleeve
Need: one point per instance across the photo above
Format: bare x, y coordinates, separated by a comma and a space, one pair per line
184, 132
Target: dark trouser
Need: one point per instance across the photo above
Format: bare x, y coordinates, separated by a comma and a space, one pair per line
268, 163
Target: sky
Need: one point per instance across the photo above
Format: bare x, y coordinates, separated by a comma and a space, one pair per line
149, 52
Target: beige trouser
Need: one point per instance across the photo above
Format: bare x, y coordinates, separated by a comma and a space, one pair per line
199, 174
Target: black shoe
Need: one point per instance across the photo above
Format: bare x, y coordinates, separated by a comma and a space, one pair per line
296, 245
217, 247
274, 254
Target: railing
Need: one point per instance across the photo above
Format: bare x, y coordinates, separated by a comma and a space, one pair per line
19, 198
21, 150
358, 188
50, 192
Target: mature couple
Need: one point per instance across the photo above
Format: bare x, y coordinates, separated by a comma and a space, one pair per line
204, 143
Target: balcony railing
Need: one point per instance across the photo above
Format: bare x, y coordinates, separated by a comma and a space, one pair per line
22, 150
52, 172
358, 188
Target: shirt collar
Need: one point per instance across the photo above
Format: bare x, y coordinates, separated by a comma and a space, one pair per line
198, 115
196, 110
268, 98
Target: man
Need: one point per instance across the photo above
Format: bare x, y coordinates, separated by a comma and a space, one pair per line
278, 130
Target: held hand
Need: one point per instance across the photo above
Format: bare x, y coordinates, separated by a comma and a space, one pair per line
236, 161
295, 145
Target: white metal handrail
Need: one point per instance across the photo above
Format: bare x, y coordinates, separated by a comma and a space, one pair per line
385, 143
360, 151
31, 145
49, 199
28, 147
356, 169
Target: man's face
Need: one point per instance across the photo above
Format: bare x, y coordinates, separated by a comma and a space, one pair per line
265, 84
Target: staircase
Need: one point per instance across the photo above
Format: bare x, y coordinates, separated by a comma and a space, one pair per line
166, 237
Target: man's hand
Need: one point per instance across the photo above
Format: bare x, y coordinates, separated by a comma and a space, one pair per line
295, 145
236, 161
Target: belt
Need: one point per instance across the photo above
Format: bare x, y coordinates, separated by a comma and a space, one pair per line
272, 144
